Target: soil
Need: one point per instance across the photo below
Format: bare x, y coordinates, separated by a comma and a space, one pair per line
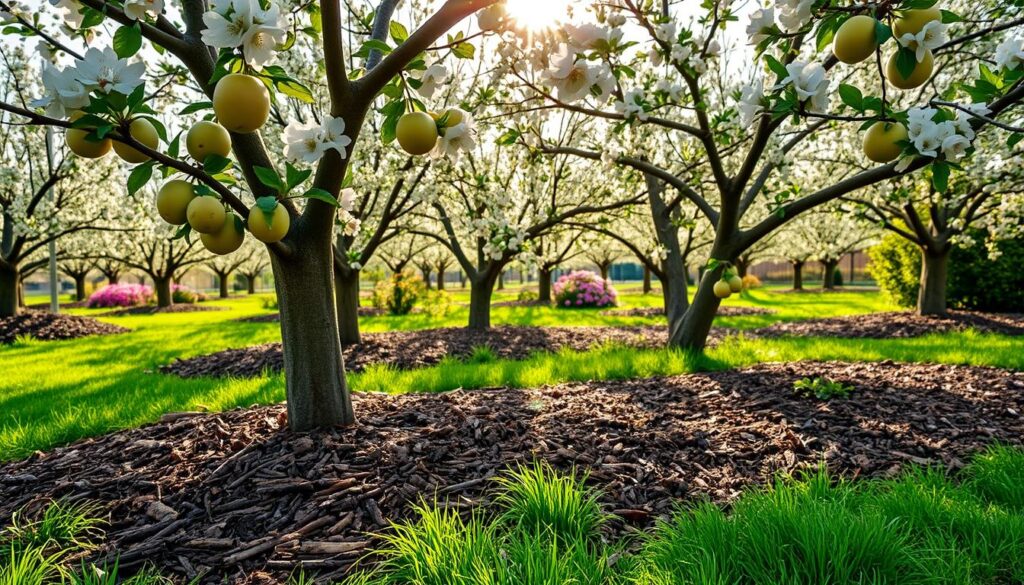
413, 349
660, 311
154, 310
890, 325
233, 498
46, 326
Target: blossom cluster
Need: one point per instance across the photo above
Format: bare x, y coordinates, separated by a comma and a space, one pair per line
100, 70
121, 295
582, 288
247, 25
308, 142
933, 135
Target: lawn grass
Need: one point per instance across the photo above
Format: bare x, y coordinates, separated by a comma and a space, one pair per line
53, 393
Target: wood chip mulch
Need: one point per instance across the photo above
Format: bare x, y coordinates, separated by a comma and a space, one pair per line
46, 326
890, 325
154, 310
235, 498
415, 349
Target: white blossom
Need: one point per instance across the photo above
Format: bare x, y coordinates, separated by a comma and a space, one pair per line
434, 76
750, 101
303, 142
954, 147
139, 9
104, 71
1010, 53
810, 80
932, 36
761, 22
794, 14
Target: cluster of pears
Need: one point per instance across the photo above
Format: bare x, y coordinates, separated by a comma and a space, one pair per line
729, 283
418, 132
140, 129
856, 41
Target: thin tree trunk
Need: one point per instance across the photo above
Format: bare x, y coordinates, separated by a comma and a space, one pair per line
426, 277
544, 286
224, 279
162, 285
112, 277
440, 277
798, 275
931, 296
348, 306
647, 280
79, 286
829, 276
318, 394
21, 292
674, 281
481, 289
10, 283
742, 266
604, 270
250, 281
501, 282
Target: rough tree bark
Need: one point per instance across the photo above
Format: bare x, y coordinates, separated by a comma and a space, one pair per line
798, 275
647, 279
250, 284
223, 279
931, 296
79, 278
440, 276
674, 282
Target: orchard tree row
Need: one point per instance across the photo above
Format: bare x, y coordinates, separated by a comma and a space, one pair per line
327, 132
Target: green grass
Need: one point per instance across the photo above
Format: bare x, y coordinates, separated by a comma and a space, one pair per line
53, 393
919, 528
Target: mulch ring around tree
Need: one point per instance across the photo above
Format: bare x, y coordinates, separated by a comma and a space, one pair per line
415, 349
660, 312
46, 326
890, 325
235, 498
154, 310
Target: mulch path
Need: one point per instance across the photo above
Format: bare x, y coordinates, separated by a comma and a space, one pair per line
237, 499
660, 311
46, 326
154, 310
890, 325
414, 349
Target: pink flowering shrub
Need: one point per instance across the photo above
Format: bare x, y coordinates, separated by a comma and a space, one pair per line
121, 295
584, 289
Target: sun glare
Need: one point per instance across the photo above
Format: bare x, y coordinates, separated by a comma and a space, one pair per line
538, 14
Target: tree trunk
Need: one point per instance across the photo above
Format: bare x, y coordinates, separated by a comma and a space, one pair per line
501, 282
691, 332
440, 277
348, 306
742, 266
162, 286
224, 279
462, 279
674, 282
10, 283
647, 280
544, 286
829, 276
79, 286
798, 275
318, 394
112, 277
481, 289
21, 292
604, 268
931, 297
250, 281
426, 277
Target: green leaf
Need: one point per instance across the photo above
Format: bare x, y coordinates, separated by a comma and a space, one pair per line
776, 67
906, 62
851, 96
940, 176
267, 206
183, 232
139, 176
295, 176
128, 40
950, 17
192, 108
269, 178
321, 195
216, 163
464, 50
509, 137
398, 32
882, 32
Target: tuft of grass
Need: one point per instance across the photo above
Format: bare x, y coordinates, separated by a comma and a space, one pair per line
997, 476
62, 525
536, 499
28, 566
25, 340
482, 354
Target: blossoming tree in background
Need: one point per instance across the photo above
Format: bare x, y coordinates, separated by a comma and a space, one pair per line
640, 67
826, 235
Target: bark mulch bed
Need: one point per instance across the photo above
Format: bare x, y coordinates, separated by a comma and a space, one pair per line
237, 499
889, 325
47, 326
154, 310
415, 349
660, 311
